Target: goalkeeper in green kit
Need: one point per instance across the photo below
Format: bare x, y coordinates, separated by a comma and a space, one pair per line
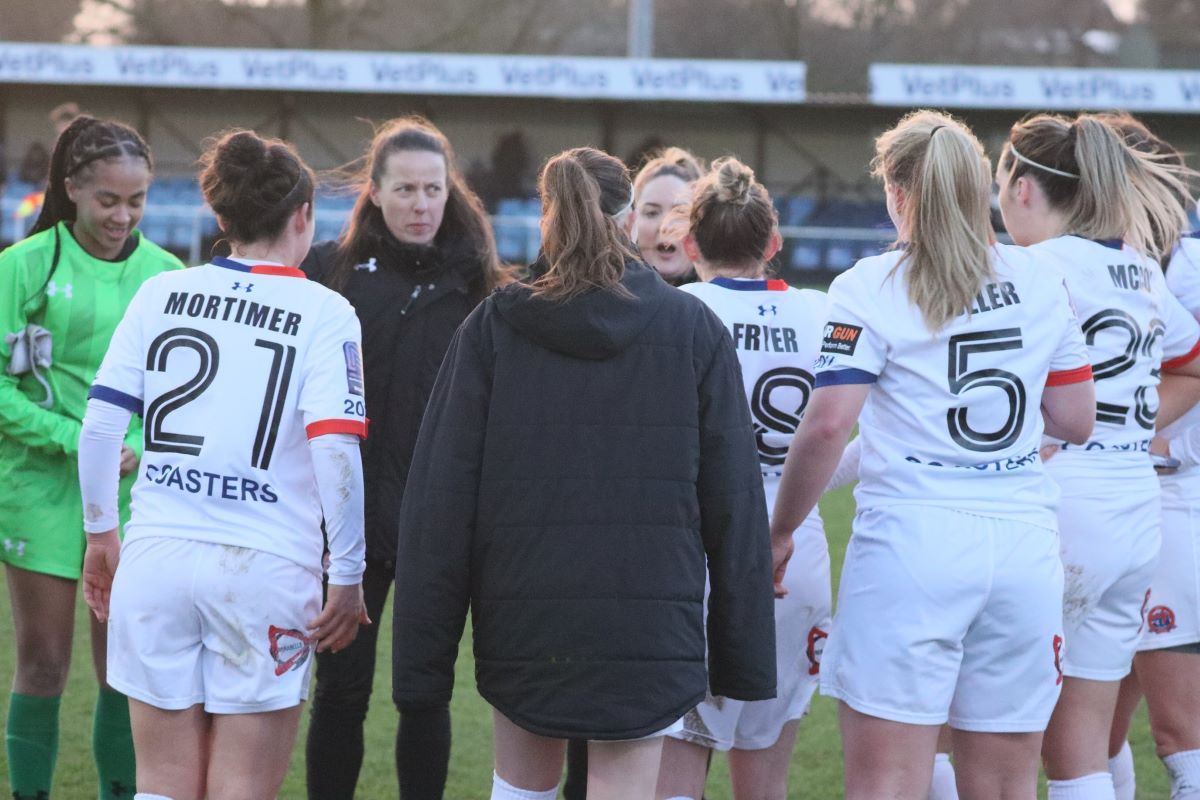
62, 292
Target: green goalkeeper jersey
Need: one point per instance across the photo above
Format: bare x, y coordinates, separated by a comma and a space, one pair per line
41, 527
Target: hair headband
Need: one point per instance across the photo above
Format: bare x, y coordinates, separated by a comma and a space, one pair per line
625, 207
1033, 163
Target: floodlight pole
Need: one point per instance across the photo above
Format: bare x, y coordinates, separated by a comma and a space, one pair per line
641, 29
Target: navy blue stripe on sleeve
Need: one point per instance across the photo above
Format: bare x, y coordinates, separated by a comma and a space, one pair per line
841, 377
116, 398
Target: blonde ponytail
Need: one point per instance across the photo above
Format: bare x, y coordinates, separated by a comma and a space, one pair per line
581, 190
945, 176
1120, 192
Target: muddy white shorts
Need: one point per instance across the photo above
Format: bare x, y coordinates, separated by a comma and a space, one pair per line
1108, 519
801, 626
1173, 613
948, 616
193, 622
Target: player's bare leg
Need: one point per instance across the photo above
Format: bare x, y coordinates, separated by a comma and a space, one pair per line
1173, 698
525, 760
249, 753
683, 769
1127, 702
1076, 741
884, 758
43, 610
998, 766
623, 770
172, 750
763, 774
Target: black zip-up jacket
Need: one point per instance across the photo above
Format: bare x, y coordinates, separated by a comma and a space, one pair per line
410, 300
580, 465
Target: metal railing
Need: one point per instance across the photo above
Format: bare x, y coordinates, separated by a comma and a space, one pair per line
185, 229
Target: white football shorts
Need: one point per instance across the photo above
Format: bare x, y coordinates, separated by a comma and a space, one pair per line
948, 616
1109, 524
194, 622
801, 626
1173, 613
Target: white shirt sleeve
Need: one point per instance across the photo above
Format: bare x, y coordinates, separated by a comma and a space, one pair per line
337, 464
851, 351
332, 392
104, 428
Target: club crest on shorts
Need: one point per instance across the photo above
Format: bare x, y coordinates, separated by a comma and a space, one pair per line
815, 649
1058, 645
1160, 619
289, 648
840, 339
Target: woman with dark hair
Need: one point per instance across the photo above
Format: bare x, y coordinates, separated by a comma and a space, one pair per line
587, 453
216, 605
417, 256
62, 291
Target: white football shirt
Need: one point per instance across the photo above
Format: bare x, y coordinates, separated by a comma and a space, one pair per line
234, 366
1183, 281
954, 418
776, 331
1132, 325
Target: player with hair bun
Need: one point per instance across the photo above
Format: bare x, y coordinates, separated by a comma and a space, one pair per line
958, 352
1082, 199
62, 292
732, 234
249, 378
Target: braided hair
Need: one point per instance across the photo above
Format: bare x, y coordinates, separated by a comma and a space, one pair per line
81, 144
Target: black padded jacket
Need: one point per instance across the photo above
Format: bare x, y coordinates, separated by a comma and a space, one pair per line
580, 465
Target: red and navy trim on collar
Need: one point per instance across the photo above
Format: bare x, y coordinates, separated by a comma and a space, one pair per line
744, 285
1115, 244
257, 269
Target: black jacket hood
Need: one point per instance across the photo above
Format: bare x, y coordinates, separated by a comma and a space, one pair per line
596, 325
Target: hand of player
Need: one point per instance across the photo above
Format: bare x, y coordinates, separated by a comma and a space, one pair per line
1047, 451
129, 460
337, 625
99, 566
781, 553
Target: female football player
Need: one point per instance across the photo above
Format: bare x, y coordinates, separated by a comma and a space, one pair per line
62, 291
958, 353
250, 382
732, 234
1090, 204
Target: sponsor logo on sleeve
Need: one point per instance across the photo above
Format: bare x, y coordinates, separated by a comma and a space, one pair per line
354, 369
841, 339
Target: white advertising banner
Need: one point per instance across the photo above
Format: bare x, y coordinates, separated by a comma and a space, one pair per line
406, 73
1034, 87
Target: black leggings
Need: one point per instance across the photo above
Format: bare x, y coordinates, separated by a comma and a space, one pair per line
334, 750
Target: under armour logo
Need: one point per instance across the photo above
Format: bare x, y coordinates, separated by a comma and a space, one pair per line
14, 547
53, 290
762, 310
370, 266
238, 285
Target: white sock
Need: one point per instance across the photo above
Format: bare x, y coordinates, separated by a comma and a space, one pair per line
1097, 786
1184, 769
1120, 767
943, 786
147, 796
503, 790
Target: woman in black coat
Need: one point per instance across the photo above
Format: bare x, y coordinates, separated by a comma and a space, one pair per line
416, 257
586, 452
